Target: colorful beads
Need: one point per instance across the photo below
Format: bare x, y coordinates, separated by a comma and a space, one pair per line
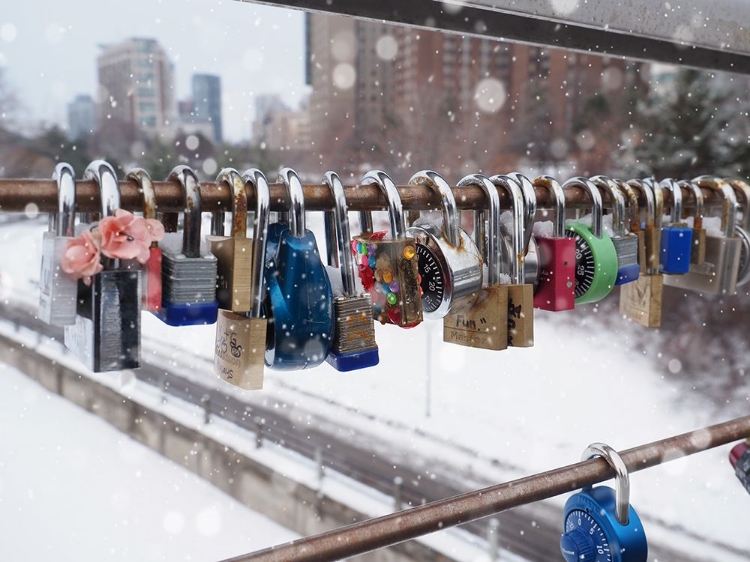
410, 252
376, 270
391, 298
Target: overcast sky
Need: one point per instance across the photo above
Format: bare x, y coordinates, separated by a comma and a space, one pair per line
48, 49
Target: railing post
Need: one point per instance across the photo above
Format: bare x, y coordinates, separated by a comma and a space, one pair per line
398, 484
206, 403
493, 539
319, 470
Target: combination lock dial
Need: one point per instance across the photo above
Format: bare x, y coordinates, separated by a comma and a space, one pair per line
585, 264
432, 279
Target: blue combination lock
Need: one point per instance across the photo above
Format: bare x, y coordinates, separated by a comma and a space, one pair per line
600, 524
299, 299
677, 237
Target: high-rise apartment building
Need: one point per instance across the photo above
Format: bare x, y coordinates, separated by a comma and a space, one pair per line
81, 117
136, 87
207, 102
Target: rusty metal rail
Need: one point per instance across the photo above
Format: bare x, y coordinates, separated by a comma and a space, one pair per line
401, 526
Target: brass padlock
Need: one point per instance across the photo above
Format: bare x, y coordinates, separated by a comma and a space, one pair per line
718, 274
240, 344
234, 252
485, 324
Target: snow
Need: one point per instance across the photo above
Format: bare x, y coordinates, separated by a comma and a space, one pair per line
528, 409
73, 488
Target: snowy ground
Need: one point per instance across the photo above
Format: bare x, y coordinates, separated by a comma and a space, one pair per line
533, 409
73, 488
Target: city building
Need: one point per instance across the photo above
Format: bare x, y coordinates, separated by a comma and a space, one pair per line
81, 117
136, 88
207, 102
189, 123
278, 126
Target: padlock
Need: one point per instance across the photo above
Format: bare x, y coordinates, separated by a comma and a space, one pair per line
520, 293
57, 291
599, 523
676, 237
596, 258
240, 344
299, 303
531, 250
106, 335
353, 346
449, 260
234, 252
387, 266
634, 221
698, 254
626, 243
151, 291
555, 288
718, 274
743, 230
485, 324
651, 229
188, 276
739, 457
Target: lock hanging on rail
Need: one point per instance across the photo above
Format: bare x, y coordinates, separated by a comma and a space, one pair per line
449, 260
743, 230
387, 266
600, 523
485, 324
57, 291
299, 302
676, 237
106, 335
739, 457
240, 344
530, 249
698, 253
596, 258
353, 346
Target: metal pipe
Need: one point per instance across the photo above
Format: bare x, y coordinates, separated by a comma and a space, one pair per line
17, 194
401, 526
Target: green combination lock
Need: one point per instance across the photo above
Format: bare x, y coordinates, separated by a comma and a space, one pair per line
596, 257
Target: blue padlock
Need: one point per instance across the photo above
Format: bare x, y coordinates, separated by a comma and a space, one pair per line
599, 523
299, 299
677, 237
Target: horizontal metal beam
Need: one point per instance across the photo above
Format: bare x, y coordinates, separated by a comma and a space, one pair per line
708, 34
401, 526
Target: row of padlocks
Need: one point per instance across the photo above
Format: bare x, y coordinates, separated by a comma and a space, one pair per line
275, 305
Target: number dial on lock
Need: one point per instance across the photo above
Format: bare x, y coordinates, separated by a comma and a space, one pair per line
585, 264
584, 539
432, 279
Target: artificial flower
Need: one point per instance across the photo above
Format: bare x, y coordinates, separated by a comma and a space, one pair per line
125, 236
81, 258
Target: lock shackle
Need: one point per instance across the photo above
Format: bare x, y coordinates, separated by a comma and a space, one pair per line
729, 207
743, 187
259, 183
648, 195
673, 187
558, 195
518, 209
596, 201
395, 207
618, 203
109, 188
236, 184
191, 232
343, 235
697, 199
632, 201
529, 200
436, 182
293, 185
651, 184
495, 250
146, 187
622, 478
62, 223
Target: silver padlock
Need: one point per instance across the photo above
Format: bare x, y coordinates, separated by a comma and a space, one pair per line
107, 333
530, 247
57, 291
743, 230
718, 274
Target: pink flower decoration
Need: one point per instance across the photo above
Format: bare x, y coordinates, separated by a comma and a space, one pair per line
125, 236
81, 257
156, 229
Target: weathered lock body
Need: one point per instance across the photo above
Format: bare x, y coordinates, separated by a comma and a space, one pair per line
240, 344
299, 302
189, 277
555, 287
58, 291
485, 324
743, 229
388, 266
234, 252
106, 335
718, 273
353, 346
151, 290
448, 259
596, 258
676, 237
520, 293
626, 244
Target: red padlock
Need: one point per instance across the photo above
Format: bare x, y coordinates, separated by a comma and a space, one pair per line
556, 282
739, 456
